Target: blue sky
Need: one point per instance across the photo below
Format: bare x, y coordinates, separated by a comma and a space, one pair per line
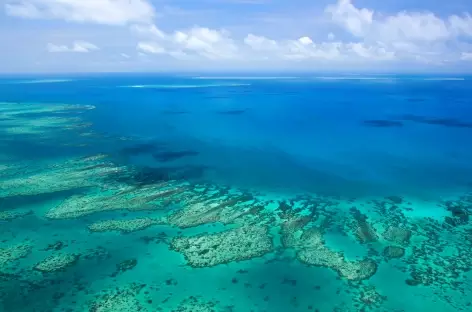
154, 35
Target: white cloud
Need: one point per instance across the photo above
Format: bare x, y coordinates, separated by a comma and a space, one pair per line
296, 50
212, 44
111, 12
259, 43
403, 26
357, 21
371, 52
421, 36
76, 47
411, 27
461, 26
205, 42
148, 30
150, 47
305, 40
466, 56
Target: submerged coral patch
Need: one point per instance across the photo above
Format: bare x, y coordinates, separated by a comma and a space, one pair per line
15, 252
134, 199
64, 176
350, 270
397, 235
391, 252
124, 226
234, 245
311, 250
363, 230
196, 304
200, 212
14, 214
119, 300
57, 262
44, 122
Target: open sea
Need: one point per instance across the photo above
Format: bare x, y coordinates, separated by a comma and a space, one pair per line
254, 193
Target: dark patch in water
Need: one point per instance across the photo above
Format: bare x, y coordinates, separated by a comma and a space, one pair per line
446, 122
171, 156
55, 246
398, 200
383, 123
142, 148
148, 175
288, 281
124, 266
232, 112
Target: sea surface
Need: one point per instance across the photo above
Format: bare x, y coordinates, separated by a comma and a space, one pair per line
230, 192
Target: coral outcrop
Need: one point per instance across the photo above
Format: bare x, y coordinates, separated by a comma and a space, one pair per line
397, 235
14, 252
311, 250
10, 215
391, 252
196, 304
56, 262
196, 212
122, 299
234, 245
133, 199
124, 226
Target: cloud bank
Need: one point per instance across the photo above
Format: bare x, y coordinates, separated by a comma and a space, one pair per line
76, 47
356, 35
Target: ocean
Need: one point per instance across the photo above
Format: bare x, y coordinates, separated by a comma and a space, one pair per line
230, 192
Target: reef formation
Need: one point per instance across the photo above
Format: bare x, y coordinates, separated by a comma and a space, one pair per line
234, 245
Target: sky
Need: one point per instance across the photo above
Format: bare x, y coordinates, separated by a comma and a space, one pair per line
199, 35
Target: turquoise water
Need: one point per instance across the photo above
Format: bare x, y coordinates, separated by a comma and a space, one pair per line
189, 193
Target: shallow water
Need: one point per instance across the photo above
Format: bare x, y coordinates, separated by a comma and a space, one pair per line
235, 193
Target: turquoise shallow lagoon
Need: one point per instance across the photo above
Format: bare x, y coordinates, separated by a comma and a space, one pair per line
181, 193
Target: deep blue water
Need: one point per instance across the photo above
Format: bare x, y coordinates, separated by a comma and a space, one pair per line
356, 137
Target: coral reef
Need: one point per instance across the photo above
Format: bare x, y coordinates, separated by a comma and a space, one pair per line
310, 246
350, 270
15, 252
391, 252
131, 198
370, 297
196, 304
56, 262
60, 177
124, 266
460, 209
364, 232
124, 226
98, 253
312, 251
119, 300
232, 245
197, 212
42, 124
397, 235
14, 214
